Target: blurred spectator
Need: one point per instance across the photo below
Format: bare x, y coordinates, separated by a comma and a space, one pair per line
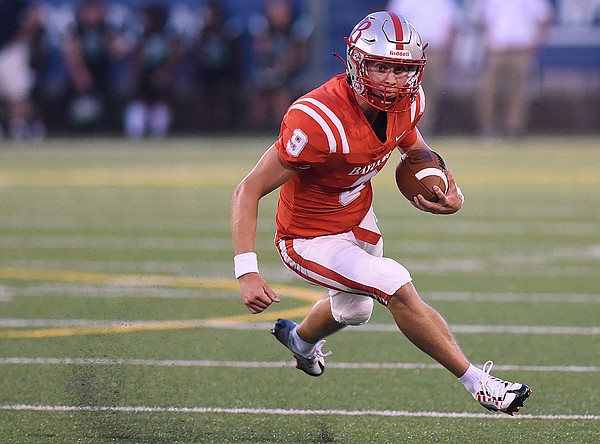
279, 53
218, 59
89, 49
156, 62
20, 23
438, 30
512, 31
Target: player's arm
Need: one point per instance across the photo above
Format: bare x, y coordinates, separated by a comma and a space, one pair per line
267, 175
449, 202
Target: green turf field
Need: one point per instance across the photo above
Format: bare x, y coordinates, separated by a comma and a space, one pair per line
120, 321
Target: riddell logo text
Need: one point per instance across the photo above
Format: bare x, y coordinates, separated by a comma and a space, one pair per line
400, 53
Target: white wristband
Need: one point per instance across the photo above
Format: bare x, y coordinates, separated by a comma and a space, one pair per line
245, 263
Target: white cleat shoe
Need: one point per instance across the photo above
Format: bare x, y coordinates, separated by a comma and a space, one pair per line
498, 395
313, 365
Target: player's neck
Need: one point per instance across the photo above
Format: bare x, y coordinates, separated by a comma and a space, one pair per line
370, 112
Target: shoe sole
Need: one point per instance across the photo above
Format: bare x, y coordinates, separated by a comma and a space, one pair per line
519, 401
522, 394
298, 364
314, 375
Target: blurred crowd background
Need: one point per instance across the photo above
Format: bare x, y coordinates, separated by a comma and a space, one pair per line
150, 68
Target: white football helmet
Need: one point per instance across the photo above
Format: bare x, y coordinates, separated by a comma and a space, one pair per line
389, 38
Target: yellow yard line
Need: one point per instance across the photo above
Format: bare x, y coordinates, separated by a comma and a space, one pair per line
151, 326
137, 280
144, 280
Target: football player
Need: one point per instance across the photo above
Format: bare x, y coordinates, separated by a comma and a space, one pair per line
332, 142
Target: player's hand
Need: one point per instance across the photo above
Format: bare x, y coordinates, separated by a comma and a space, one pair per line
447, 203
256, 293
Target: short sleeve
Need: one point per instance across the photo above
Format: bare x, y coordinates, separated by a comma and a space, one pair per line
416, 112
408, 140
302, 141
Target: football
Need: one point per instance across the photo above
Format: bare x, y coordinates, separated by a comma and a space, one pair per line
418, 171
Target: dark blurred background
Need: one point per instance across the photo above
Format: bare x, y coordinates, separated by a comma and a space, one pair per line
147, 68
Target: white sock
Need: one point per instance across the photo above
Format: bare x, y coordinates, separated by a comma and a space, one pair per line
299, 345
471, 379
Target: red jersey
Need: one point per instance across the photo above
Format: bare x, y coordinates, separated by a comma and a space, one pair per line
327, 139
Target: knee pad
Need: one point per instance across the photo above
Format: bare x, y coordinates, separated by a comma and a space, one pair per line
351, 309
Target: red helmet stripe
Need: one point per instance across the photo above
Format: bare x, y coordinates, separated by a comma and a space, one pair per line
398, 28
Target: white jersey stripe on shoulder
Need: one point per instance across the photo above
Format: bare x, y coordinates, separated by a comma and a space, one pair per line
422, 103
317, 118
418, 106
335, 119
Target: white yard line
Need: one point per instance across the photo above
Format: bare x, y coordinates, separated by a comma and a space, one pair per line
585, 265
288, 412
51, 289
78, 289
278, 364
114, 242
207, 323
511, 297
